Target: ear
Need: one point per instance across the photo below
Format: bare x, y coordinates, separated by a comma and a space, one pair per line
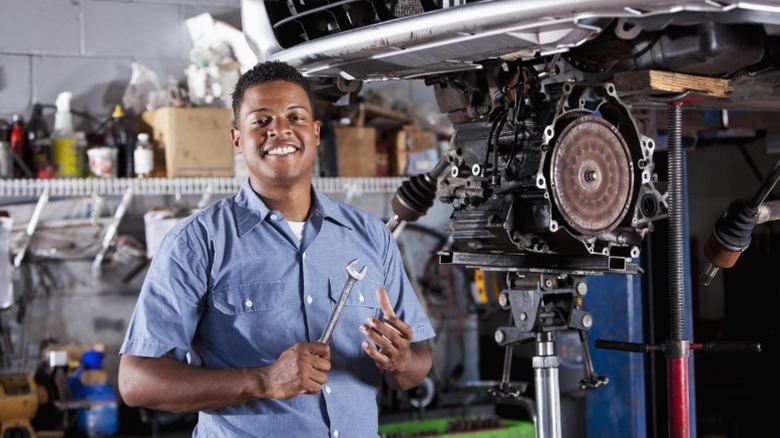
317, 130
235, 136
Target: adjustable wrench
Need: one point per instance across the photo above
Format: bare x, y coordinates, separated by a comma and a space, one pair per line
354, 276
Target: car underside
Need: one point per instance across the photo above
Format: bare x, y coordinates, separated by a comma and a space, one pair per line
548, 155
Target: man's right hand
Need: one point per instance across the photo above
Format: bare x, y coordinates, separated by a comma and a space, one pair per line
167, 384
300, 369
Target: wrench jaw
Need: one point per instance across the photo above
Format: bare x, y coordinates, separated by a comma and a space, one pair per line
354, 273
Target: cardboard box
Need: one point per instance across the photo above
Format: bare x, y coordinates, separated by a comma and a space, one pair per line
356, 148
412, 150
94, 377
192, 142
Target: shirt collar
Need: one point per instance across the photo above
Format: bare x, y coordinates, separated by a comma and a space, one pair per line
250, 210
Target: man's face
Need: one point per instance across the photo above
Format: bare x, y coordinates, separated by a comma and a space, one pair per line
277, 135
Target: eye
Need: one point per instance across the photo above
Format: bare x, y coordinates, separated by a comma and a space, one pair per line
262, 121
297, 116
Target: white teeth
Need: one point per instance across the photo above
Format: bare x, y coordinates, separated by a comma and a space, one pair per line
284, 150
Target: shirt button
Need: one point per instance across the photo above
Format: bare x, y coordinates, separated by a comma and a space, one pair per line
327, 389
309, 299
361, 298
248, 303
336, 433
274, 217
304, 255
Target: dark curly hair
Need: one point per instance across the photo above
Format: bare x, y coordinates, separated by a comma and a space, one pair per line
268, 71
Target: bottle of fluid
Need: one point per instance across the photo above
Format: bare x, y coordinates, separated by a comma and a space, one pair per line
6, 155
65, 151
118, 137
82, 144
143, 156
18, 141
39, 143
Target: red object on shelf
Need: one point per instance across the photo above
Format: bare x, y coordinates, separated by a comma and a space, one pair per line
18, 142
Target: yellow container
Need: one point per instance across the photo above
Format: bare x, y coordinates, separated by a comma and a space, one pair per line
65, 154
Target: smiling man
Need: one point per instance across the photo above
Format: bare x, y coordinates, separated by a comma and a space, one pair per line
236, 297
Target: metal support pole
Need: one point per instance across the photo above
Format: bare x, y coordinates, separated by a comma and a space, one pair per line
548, 397
678, 348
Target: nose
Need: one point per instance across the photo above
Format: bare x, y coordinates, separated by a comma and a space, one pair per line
278, 126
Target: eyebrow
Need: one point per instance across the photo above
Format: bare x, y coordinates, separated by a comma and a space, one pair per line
289, 108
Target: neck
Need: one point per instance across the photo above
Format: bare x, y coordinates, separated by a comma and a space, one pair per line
293, 202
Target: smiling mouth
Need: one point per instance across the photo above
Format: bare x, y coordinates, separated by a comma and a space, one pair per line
281, 150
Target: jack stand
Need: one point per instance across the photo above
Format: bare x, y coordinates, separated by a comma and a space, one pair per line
677, 356
537, 311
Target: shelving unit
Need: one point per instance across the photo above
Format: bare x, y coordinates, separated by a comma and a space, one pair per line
177, 186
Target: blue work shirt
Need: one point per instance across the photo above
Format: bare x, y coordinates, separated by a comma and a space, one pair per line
231, 286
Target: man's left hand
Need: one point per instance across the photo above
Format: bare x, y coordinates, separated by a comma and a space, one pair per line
390, 336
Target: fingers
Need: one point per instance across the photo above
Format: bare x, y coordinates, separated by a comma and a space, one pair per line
381, 359
391, 328
320, 349
314, 367
390, 333
389, 314
390, 342
384, 302
301, 369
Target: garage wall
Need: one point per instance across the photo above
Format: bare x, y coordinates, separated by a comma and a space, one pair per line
87, 47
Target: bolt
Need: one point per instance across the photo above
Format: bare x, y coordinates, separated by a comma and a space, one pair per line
591, 175
587, 321
582, 289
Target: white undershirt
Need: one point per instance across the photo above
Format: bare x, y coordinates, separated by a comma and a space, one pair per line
297, 228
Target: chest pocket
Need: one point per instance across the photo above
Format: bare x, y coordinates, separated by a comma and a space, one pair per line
248, 298
360, 304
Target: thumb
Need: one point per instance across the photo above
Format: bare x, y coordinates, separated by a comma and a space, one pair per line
384, 301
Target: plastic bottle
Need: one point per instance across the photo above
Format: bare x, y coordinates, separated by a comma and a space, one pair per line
82, 144
39, 143
18, 141
87, 383
65, 152
102, 417
6, 156
143, 156
118, 137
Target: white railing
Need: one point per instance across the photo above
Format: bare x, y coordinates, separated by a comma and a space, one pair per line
177, 186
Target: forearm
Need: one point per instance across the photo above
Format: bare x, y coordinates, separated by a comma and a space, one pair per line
417, 366
169, 385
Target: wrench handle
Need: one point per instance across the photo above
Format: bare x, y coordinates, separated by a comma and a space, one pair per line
334, 317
